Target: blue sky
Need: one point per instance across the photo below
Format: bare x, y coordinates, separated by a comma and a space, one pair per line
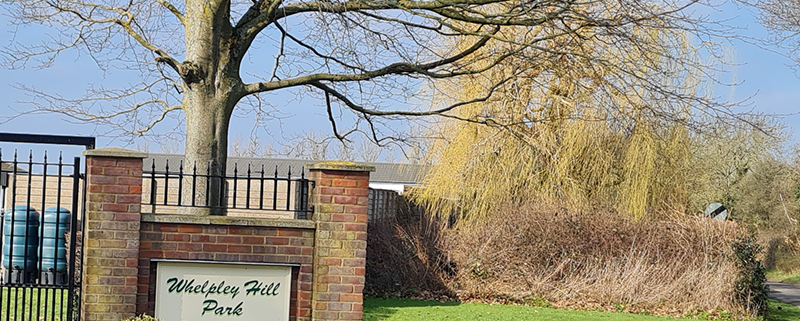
762, 74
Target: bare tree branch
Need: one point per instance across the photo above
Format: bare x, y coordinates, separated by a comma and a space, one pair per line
174, 11
436, 112
426, 69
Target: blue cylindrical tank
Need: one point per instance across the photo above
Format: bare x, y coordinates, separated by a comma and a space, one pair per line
55, 222
20, 250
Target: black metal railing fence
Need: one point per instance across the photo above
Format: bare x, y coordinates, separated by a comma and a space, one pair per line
30, 288
248, 189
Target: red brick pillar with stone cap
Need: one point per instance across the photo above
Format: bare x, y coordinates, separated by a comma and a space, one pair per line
111, 234
340, 250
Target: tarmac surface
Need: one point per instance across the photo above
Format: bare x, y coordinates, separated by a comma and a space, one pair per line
784, 292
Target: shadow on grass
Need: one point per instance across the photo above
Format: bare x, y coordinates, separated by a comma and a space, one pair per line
379, 309
782, 312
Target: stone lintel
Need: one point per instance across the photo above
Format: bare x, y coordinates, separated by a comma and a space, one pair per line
340, 166
228, 220
114, 152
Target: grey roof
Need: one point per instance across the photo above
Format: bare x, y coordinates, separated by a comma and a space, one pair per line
8, 167
384, 172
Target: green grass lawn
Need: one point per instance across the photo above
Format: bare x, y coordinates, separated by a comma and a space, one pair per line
413, 310
774, 275
401, 310
33, 304
782, 312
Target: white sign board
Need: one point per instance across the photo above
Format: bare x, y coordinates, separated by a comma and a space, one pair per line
222, 291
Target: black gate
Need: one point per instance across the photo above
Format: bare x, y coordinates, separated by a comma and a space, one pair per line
42, 198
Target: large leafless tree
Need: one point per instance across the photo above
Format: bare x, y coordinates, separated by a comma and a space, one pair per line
782, 19
362, 56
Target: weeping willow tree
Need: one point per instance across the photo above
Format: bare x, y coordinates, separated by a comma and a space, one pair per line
573, 131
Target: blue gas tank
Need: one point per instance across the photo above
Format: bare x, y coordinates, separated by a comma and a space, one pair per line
21, 238
55, 222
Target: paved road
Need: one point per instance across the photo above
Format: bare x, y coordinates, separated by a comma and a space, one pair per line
785, 292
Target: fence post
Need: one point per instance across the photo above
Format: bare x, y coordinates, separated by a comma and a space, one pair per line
111, 234
340, 212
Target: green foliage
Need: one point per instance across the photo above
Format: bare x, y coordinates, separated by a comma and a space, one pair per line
480, 272
783, 277
536, 301
717, 315
797, 193
751, 287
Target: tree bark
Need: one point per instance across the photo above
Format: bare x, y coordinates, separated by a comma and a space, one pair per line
212, 89
206, 143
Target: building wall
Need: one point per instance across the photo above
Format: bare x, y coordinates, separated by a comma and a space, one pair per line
41, 188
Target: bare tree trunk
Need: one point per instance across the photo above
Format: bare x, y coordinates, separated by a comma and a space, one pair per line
213, 87
206, 143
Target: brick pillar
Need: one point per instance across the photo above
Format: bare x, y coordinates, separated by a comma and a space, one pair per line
111, 234
340, 245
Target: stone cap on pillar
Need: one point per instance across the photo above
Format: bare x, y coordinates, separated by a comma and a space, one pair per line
114, 152
340, 166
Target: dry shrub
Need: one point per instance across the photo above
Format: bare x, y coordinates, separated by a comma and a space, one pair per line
782, 250
78, 264
598, 260
534, 255
404, 256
